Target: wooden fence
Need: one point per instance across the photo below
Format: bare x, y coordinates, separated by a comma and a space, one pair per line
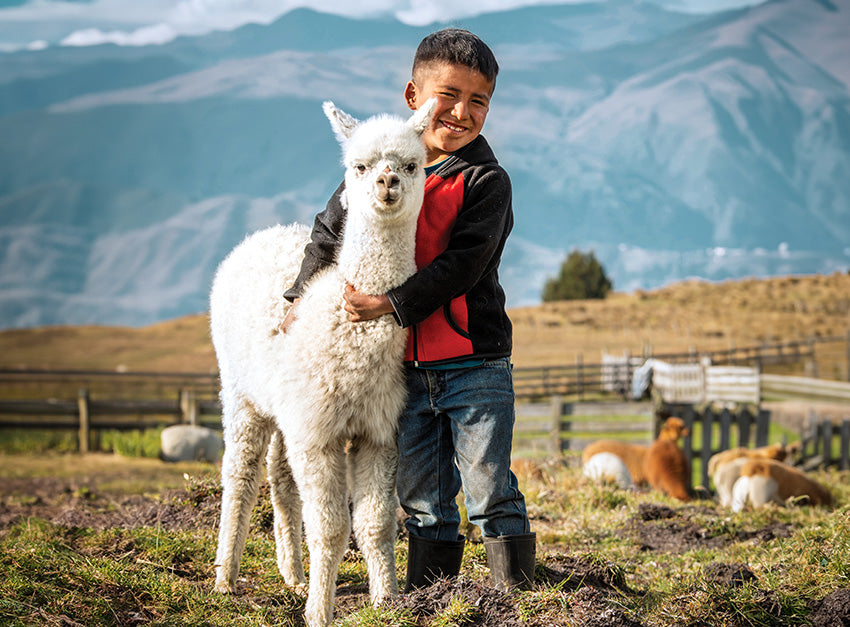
825, 442
556, 427
716, 429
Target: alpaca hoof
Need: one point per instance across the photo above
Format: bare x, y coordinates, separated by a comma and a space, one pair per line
222, 587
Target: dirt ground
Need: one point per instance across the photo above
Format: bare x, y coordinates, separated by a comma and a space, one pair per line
595, 584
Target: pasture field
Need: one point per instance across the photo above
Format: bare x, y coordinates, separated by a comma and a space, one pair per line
102, 539
675, 319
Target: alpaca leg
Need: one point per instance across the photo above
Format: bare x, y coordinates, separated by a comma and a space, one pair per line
246, 440
287, 513
320, 475
372, 480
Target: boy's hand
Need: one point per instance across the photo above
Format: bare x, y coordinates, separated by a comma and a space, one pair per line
362, 307
289, 317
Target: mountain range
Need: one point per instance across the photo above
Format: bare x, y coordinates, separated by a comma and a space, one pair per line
673, 145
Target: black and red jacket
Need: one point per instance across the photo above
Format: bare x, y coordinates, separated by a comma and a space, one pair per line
454, 303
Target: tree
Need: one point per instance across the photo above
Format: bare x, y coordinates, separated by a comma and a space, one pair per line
581, 276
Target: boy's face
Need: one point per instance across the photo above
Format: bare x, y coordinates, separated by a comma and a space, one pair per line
463, 96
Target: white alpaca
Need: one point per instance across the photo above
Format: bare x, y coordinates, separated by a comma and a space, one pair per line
323, 398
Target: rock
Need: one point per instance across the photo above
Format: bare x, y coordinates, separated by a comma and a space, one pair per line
182, 443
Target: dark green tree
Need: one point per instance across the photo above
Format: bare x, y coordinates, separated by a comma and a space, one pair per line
581, 276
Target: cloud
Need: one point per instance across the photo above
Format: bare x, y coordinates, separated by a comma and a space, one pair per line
152, 22
145, 36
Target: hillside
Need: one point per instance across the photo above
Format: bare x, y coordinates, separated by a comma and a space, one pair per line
672, 144
677, 318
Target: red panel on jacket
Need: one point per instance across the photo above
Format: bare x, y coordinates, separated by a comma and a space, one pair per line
436, 339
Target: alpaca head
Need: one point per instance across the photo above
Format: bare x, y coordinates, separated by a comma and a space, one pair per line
673, 429
384, 158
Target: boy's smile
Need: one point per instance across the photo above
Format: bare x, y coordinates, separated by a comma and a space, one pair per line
463, 96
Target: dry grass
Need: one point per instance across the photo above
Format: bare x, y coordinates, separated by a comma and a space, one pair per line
689, 315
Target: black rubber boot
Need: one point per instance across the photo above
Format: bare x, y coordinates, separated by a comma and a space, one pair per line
429, 560
511, 561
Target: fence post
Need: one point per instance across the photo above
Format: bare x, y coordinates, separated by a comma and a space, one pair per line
744, 421
188, 406
812, 365
844, 462
847, 350
725, 429
762, 427
83, 410
556, 407
826, 425
579, 377
705, 454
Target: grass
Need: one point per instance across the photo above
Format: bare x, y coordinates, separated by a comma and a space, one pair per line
51, 574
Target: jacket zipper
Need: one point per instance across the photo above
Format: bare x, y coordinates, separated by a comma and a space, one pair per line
415, 346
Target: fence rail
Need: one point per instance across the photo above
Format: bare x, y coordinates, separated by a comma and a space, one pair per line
93, 400
782, 387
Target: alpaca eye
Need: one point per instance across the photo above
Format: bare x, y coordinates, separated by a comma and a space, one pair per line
360, 168
410, 168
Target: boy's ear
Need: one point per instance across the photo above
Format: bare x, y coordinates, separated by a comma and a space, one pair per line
342, 124
410, 95
421, 118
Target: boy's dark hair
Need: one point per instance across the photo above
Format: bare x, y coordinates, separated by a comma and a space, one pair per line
460, 47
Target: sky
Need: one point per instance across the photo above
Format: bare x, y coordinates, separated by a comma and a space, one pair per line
36, 24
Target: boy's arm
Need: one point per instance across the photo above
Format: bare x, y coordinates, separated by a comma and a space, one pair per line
324, 243
474, 249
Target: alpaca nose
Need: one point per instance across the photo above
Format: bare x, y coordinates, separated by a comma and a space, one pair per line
387, 185
387, 180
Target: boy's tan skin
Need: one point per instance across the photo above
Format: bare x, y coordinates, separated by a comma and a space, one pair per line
463, 96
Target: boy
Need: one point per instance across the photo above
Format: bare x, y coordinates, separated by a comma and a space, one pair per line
457, 427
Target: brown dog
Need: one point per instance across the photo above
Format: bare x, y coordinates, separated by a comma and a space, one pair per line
765, 480
665, 465
632, 455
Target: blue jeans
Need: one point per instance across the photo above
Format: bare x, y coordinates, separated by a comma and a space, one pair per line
456, 431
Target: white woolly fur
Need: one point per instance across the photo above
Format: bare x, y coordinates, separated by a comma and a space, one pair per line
321, 401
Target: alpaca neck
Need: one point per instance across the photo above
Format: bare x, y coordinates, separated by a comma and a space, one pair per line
376, 258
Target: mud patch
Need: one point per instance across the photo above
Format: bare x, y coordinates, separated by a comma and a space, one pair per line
178, 510
831, 611
491, 607
576, 572
665, 529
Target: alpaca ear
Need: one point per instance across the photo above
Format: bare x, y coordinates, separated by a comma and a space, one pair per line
421, 118
342, 123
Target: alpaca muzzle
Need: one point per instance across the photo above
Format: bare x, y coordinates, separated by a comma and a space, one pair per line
387, 187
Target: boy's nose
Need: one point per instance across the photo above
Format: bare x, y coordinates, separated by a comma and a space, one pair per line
460, 110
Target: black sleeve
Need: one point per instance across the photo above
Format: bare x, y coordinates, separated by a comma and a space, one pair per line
474, 250
324, 243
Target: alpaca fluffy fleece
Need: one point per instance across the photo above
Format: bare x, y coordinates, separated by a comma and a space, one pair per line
608, 467
666, 467
631, 455
321, 402
763, 481
771, 451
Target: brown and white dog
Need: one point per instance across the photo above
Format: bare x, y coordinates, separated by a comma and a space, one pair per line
630, 455
764, 481
665, 465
